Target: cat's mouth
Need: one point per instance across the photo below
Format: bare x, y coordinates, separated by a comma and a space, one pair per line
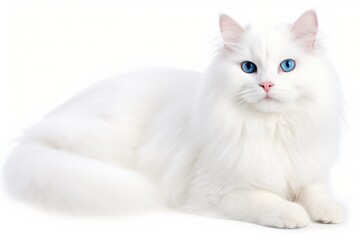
269, 104
268, 98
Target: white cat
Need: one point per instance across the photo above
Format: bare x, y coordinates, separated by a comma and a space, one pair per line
251, 139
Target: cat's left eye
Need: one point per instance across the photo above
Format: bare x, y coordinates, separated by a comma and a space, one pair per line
287, 65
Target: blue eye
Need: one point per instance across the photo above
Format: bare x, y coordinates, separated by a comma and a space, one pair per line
287, 65
248, 67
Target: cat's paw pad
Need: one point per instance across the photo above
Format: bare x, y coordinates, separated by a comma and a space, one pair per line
288, 216
326, 211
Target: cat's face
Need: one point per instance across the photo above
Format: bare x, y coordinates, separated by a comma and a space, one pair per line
269, 70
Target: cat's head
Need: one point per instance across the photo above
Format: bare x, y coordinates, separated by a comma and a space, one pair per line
270, 69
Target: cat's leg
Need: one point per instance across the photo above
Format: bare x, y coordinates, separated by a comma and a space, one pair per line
320, 205
263, 208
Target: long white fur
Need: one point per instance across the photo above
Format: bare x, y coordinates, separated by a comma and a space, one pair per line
206, 143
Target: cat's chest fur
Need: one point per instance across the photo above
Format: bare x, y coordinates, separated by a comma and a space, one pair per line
265, 152
270, 154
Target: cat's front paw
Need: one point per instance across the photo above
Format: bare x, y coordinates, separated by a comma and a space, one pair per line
291, 215
326, 211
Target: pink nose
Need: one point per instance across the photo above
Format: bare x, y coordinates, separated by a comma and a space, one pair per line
266, 86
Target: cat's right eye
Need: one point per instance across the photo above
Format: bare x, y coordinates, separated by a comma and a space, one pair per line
248, 67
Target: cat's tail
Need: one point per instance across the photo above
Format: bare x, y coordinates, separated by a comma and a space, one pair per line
56, 179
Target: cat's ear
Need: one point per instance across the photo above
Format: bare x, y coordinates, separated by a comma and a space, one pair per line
305, 29
231, 31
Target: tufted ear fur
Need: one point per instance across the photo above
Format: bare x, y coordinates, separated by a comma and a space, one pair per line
231, 31
305, 29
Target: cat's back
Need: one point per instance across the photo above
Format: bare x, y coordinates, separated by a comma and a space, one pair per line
145, 89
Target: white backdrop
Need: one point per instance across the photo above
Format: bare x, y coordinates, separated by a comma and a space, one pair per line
50, 50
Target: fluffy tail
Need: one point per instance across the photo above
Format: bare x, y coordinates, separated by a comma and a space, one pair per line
61, 180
